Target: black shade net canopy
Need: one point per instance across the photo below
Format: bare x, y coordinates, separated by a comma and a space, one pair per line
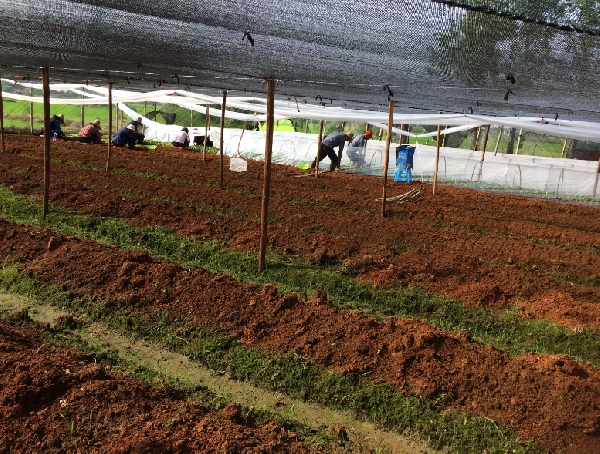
488, 57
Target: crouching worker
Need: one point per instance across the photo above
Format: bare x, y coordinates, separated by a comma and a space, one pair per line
125, 137
182, 139
356, 150
335, 139
138, 128
55, 129
90, 133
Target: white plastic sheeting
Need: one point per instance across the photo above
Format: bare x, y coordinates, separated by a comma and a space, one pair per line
565, 177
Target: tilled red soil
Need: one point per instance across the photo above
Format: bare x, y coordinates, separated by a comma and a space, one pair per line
550, 399
481, 248
58, 400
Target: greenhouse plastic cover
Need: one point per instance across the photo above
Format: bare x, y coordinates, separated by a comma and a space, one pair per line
562, 177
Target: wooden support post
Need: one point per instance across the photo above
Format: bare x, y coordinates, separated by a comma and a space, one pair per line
343, 126
82, 110
597, 177
31, 112
264, 213
387, 154
319, 140
221, 135
2, 118
477, 139
110, 118
46, 96
145, 116
155, 114
380, 133
444, 138
519, 141
498, 141
206, 131
485, 141
437, 161
306, 127
562, 153
191, 118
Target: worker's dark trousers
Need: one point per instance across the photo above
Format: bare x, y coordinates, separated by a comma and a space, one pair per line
330, 152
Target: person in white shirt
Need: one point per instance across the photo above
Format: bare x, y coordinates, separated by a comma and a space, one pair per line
182, 139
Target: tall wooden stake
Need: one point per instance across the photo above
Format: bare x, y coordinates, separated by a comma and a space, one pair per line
597, 177
437, 160
82, 110
110, 84
306, 127
31, 111
519, 141
477, 139
387, 154
264, 213
444, 138
221, 135
562, 153
485, 141
343, 126
191, 118
207, 122
498, 141
46, 96
2, 118
319, 140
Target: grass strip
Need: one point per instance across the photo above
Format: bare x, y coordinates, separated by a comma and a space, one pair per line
505, 330
290, 374
65, 335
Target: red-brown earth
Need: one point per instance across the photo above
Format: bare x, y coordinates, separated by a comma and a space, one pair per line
59, 400
480, 248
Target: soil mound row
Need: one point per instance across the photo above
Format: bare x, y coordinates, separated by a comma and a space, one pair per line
58, 400
482, 249
551, 399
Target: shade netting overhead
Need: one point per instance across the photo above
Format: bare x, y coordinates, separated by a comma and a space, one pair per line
485, 57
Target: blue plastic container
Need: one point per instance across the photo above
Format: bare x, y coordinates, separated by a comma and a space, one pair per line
404, 156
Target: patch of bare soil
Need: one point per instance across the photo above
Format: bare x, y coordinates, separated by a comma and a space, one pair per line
483, 249
552, 400
58, 400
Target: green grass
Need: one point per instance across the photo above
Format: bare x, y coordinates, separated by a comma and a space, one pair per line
288, 373
505, 330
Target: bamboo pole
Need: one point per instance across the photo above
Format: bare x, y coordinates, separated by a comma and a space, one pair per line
191, 118
30, 111
437, 161
2, 119
485, 141
110, 118
387, 154
319, 140
444, 138
477, 139
207, 122
46, 96
145, 116
306, 127
221, 135
597, 177
343, 126
82, 110
562, 153
264, 213
380, 133
498, 141
519, 141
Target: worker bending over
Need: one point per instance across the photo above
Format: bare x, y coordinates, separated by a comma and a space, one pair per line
335, 139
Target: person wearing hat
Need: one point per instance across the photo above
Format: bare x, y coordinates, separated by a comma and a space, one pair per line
357, 149
90, 133
335, 139
139, 128
125, 137
55, 122
182, 139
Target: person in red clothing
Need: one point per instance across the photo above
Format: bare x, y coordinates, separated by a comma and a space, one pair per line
90, 133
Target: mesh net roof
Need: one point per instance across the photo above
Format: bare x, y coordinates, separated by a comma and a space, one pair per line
502, 58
